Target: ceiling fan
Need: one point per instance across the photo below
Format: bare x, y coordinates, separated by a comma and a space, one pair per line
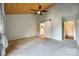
39, 11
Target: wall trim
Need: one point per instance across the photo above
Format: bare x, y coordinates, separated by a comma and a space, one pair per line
20, 37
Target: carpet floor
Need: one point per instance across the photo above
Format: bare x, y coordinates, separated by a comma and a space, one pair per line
42, 47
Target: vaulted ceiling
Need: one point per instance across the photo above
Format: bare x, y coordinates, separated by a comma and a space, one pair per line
24, 8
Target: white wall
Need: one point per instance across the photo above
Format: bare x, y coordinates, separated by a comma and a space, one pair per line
56, 13
77, 27
48, 29
77, 31
18, 26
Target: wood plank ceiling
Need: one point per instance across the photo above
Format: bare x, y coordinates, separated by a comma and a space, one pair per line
24, 8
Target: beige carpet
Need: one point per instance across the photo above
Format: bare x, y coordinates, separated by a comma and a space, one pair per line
42, 47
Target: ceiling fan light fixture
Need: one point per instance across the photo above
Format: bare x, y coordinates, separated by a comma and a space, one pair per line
38, 12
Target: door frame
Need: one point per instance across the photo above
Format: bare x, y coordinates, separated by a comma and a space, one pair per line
74, 20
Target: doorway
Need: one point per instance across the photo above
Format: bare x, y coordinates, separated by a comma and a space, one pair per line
46, 28
42, 29
69, 30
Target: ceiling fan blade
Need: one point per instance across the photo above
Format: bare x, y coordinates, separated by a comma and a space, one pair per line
35, 13
33, 10
43, 10
41, 14
40, 7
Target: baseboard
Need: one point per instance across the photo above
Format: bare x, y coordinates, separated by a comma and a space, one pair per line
53, 39
20, 37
